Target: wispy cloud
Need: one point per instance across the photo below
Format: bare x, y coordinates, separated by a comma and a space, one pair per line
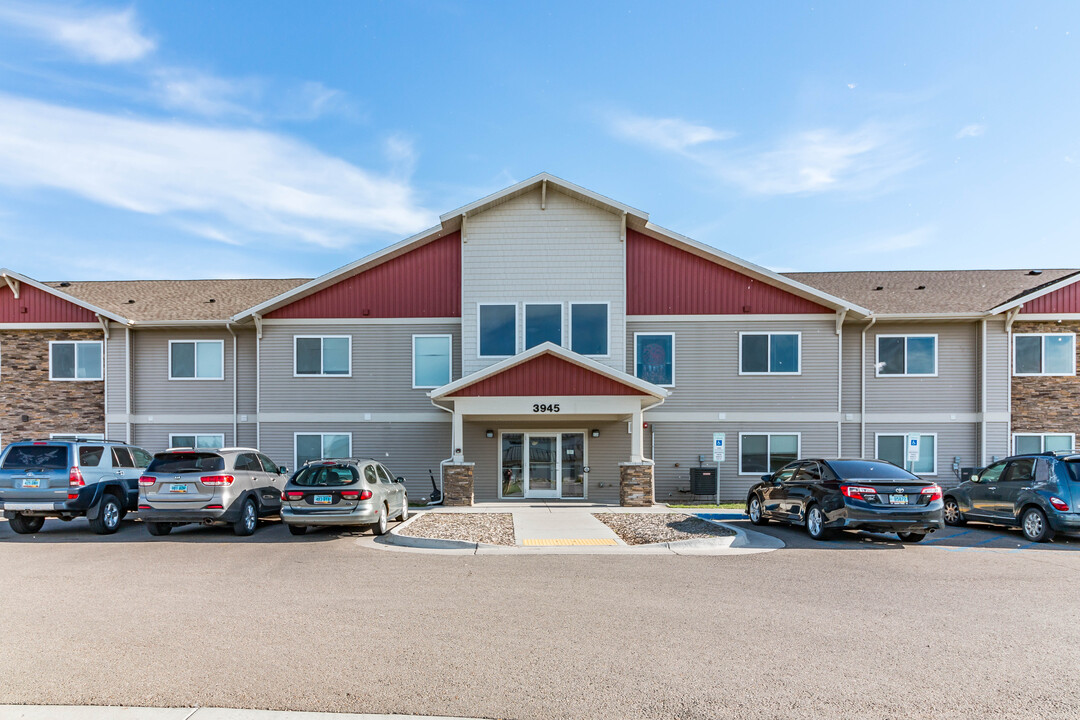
194, 92
98, 36
665, 133
236, 184
973, 130
894, 243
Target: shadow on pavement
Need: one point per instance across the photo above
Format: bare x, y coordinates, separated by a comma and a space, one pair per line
270, 531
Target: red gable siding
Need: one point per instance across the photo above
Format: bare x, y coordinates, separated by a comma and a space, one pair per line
1062, 300
40, 306
546, 375
663, 280
425, 282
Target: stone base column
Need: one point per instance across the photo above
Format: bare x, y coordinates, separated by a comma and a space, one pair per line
458, 484
636, 484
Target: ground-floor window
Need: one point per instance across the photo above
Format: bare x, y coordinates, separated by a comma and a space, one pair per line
1026, 443
197, 440
315, 446
76, 436
894, 449
761, 453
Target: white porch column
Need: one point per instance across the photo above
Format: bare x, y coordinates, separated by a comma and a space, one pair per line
458, 436
637, 444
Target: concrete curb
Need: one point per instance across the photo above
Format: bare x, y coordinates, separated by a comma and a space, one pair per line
394, 537
107, 712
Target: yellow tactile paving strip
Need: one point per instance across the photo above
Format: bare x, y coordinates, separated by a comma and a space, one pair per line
559, 542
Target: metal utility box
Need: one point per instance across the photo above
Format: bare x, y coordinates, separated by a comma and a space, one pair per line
703, 481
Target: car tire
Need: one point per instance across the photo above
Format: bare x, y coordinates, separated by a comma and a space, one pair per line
297, 529
951, 513
756, 512
379, 528
404, 509
26, 524
815, 524
1035, 527
109, 514
158, 528
911, 537
249, 519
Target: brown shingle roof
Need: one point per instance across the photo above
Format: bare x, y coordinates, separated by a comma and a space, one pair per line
944, 291
156, 300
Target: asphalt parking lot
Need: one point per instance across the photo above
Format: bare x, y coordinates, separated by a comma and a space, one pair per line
974, 623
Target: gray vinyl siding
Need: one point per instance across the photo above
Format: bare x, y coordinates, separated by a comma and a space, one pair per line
998, 441
153, 392
116, 371
707, 367
116, 431
246, 435
245, 372
852, 393
515, 253
154, 437
955, 389
381, 380
849, 439
953, 440
998, 380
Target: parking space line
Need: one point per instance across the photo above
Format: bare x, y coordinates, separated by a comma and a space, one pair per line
987, 542
946, 537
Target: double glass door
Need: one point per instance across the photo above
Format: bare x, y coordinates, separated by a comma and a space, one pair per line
542, 465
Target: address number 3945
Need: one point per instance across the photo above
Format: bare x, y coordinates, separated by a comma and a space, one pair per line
542, 408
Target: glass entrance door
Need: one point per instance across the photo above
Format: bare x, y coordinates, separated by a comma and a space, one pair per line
542, 478
542, 465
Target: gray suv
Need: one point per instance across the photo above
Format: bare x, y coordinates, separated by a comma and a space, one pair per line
67, 479
348, 491
223, 486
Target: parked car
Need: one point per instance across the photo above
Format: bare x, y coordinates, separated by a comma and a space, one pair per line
67, 479
1040, 494
343, 492
233, 486
830, 494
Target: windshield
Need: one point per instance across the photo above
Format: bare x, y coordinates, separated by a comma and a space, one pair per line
185, 462
864, 470
326, 475
45, 457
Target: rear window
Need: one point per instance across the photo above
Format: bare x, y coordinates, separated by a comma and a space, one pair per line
863, 470
326, 476
184, 462
45, 457
90, 456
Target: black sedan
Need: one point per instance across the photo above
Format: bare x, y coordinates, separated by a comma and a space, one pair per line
826, 495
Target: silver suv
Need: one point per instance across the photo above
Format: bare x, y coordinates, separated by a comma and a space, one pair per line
67, 479
347, 491
224, 486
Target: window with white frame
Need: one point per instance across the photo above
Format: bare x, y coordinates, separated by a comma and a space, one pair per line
543, 323
906, 355
75, 360
197, 440
322, 355
1028, 443
654, 355
772, 353
589, 328
316, 446
761, 453
196, 359
1044, 354
497, 330
431, 360
894, 448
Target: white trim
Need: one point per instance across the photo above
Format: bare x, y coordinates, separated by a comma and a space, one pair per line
322, 358
1042, 440
322, 445
748, 317
6, 273
654, 334
449, 359
525, 320
1020, 301
50, 326
768, 448
1042, 353
877, 453
192, 419
1041, 317
362, 321
75, 358
197, 435
906, 336
607, 326
479, 331
768, 351
196, 366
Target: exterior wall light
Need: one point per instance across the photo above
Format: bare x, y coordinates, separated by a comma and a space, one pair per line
489, 433
595, 432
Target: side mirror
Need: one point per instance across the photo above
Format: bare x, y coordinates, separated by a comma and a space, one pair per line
283, 470
399, 480
766, 478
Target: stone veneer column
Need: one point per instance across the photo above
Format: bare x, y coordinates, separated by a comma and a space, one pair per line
636, 484
458, 484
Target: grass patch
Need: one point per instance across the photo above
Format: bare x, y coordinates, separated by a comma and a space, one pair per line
711, 506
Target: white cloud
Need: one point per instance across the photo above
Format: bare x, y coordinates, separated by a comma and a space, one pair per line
201, 94
233, 183
895, 243
100, 36
665, 133
973, 130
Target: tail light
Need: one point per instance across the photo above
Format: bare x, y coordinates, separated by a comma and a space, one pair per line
355, 495
75, 478
292, 496
217, 480
147, 480
857, 492
73, 496
1059, 504
934, 491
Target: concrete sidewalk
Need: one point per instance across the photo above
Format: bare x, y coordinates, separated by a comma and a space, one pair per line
99, 712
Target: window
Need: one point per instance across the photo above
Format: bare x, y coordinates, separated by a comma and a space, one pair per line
247, 462
322, 356
370, 475
197, 441
761, 453
1030, 443
1044, 354
769, 353
90, 456
268, 465
142, 458
893, 448
431, 360
906, 355
196, 360
79, 360
589, 328
497, 330
76, 436
543, 323
316, 446
384, 474
655, 358
326, 476
121, 458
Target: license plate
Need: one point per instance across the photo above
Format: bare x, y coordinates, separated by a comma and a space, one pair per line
31, 483
323, 499
898, 500
178, 488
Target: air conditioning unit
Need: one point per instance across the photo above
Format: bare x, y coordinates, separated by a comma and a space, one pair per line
703, 481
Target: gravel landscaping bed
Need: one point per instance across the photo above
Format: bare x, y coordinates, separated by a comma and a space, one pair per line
491, 528
644, 528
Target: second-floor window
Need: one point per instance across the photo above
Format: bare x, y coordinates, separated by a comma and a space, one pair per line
196, 359
1044, 354
655, 357
431, 360
906, 355
543, 323
497, 330
77, 360
774, 353
323, 356
589, 328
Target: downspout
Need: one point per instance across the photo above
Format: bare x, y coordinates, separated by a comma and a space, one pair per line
982, 380
840, 316
258, 379
127, 382
442, 490
652, 451
236, 440
862, 389
1010, 316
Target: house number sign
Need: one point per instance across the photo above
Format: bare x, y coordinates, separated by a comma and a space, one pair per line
545, 408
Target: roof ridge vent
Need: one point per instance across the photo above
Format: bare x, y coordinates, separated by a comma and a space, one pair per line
1034, 272
920, 287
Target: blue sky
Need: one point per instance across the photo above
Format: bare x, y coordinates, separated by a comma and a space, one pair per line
283, 139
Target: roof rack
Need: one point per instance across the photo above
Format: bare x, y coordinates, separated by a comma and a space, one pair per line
338, 459
76, 438
211, 449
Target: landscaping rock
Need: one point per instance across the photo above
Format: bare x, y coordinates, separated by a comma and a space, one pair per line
490, 528
645, 528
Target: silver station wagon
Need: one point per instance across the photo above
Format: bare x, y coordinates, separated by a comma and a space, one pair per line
343, 492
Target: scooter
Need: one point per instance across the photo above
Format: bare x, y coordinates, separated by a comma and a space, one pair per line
436, 494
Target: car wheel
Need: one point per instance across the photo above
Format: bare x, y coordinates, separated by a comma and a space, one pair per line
249, 518
404, 509
1035, 526
26, 524
911, 537
158, 528
755, 512
108, 519
952, 513
379, 528
815, 524
297, 529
